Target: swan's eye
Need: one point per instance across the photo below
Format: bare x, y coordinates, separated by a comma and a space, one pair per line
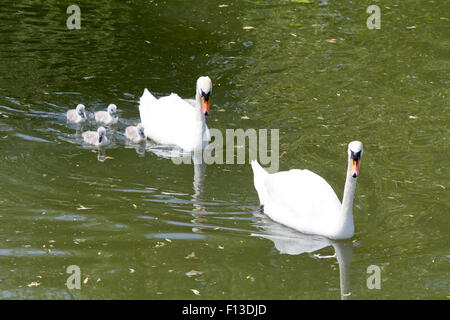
355, 155
206, 95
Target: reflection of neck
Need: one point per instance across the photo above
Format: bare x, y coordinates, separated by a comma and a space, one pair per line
344, 252
199, 174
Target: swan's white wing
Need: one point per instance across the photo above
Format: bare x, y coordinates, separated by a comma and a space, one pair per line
145, 102
302, 191
301, 200
169, 120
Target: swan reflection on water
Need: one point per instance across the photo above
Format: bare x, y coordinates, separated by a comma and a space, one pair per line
292, 242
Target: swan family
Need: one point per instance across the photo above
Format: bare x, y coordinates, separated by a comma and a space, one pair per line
299, 199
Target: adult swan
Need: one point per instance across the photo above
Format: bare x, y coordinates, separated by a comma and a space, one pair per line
304, 201
174, 121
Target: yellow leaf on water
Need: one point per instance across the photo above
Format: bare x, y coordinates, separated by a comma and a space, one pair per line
160, 244
33, 284
81, 207
193, 273
191, 256
196, 292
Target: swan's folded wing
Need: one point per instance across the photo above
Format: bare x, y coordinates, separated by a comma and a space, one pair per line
169, 120
301, 191
145, 102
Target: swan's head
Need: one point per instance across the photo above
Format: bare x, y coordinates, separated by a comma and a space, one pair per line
81, 110
140, 129
112, 109
204, 89
101, 134
355, 152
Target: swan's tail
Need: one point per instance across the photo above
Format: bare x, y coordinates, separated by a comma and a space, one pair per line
144, 104
259, 175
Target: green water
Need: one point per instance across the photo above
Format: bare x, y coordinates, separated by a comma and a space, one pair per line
132, 221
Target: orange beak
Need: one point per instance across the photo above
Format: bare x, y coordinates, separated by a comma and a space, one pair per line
205, 106
354, 168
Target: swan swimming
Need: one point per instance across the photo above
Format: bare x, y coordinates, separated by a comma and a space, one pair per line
304, 201
77, 115
135, 133
107, 117
96, 138
172, 120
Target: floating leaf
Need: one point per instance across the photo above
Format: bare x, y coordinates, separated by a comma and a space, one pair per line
196, 292
191, 256
160, 244
81, 207
33, 284
193, 273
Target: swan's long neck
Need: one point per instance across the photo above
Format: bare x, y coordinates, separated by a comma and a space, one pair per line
347, 199
199, 118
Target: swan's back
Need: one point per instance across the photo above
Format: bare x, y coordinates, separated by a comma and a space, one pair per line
169, 120
299, 199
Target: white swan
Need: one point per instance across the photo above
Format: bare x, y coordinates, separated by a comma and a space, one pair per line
77, 115
173, 121
304, 201
109, 116
96, 138
135, 133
